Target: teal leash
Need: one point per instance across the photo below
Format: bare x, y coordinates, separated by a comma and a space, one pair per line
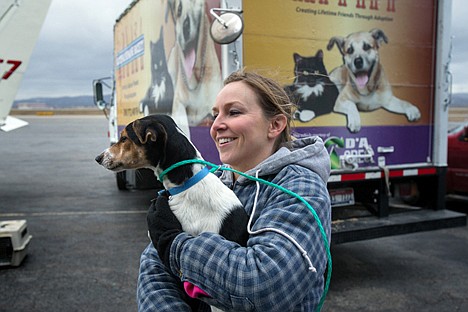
215, 167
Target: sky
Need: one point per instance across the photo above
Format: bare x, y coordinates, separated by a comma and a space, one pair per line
75, 46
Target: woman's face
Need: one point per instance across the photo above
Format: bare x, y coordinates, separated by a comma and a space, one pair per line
243, 135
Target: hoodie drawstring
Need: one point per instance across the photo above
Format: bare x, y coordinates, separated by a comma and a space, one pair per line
289, 237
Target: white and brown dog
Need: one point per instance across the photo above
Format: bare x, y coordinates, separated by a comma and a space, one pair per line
361, 79
199, 200
193, 64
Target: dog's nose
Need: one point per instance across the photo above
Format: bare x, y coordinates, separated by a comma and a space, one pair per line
358, 62
99, 158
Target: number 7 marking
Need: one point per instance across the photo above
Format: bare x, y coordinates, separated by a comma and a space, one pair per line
14, 65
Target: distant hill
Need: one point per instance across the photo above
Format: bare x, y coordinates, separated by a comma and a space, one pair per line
460, 100
84, 101
87, 101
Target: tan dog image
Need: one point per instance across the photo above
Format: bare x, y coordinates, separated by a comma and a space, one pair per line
361, 79
193, 64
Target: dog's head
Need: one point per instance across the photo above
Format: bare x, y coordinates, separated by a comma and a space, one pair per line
360, 53
153, 142
187, 15
141, 145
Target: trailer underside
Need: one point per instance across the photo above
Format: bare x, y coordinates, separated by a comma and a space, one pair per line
348, 227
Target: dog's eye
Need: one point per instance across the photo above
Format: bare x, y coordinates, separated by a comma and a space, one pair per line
366, 47
179, 10
350, 50
123, 139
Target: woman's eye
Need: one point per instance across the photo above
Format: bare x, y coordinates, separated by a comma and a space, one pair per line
234, 113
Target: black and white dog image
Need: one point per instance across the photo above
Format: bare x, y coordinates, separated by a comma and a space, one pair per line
312, 91
193, 64
361, 79
158, 98
155, 142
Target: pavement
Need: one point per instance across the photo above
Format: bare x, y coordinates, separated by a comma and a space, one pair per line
88, 236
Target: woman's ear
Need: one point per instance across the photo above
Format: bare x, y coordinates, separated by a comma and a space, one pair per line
277, 125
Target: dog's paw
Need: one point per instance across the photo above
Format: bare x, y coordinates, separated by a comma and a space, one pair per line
304, 115
413, 113
354, 125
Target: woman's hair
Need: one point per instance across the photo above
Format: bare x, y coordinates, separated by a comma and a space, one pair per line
272, 98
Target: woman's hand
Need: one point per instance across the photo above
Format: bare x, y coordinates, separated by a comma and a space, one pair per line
163, 227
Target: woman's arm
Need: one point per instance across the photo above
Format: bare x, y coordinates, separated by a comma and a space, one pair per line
158, 289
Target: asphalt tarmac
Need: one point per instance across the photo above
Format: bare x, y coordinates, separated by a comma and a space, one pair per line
87, 236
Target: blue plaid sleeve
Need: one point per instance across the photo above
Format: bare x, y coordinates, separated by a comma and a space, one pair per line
157, 289
270, 274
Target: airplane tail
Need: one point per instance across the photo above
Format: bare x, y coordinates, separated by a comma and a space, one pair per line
20, 24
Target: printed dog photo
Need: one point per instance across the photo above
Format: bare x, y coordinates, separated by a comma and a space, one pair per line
193, 64
361, 79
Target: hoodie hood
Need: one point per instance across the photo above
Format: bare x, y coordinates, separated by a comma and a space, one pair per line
308, 152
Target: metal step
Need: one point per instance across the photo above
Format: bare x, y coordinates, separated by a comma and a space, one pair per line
363, 228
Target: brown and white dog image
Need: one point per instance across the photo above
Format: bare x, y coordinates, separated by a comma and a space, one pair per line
193, 64
155, 142
361, 79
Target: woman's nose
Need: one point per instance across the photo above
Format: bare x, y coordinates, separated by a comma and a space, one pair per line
217, 123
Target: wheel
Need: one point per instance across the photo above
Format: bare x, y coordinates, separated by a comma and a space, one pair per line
121, 180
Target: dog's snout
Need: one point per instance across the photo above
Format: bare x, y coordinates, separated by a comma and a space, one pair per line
358, 63
99, 158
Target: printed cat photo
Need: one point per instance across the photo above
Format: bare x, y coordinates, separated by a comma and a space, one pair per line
158, 98
312, 91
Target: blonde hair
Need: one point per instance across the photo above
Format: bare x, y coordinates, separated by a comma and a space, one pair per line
272, 99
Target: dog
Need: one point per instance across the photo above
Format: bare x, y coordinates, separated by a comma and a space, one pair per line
193, 64
155, 142
361, 79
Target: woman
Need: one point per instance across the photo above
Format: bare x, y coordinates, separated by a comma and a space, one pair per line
251, 130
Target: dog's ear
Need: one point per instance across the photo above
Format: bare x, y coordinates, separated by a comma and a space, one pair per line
144, 131
170, 8
339, 41
379, 36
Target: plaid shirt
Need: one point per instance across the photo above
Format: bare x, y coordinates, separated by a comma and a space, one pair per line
270, 274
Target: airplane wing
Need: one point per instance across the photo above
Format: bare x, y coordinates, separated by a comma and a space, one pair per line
20, 24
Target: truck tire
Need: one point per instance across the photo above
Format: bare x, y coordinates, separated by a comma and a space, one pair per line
121, 181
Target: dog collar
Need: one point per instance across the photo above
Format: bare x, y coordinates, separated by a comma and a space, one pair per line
188, 184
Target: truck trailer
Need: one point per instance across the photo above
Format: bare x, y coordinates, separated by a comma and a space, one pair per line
369, 77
